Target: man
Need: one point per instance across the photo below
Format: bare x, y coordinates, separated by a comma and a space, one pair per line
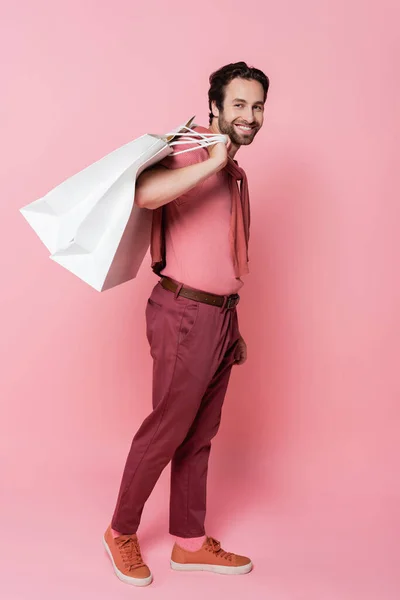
199, 248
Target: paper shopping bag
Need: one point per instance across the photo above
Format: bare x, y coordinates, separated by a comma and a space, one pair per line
91, 224
111, 242
56, 217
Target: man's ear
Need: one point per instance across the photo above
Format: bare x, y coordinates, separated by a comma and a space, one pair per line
214, 109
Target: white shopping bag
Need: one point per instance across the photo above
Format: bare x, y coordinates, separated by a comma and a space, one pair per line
56, 217
90, 223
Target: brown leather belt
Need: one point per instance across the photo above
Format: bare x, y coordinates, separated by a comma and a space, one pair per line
198, 296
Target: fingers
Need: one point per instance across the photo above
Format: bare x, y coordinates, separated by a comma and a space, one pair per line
240, 359
240, 355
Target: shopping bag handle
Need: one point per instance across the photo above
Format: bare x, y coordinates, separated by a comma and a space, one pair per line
202, 140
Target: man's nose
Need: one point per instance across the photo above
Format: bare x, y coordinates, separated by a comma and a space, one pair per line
250, 115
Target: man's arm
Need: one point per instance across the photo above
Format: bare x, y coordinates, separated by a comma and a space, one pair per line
158, 185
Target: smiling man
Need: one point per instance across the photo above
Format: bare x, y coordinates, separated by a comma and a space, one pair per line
241, 115
199, 249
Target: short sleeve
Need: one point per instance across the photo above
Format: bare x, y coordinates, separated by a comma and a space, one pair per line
178, 161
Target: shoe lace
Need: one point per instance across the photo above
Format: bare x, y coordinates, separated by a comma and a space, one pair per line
214, 546
130, 553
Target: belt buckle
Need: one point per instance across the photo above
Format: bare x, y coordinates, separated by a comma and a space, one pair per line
232, 301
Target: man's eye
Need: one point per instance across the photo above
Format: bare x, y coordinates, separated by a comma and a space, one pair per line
239, 105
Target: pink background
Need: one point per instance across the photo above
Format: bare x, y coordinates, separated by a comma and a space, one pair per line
304, 475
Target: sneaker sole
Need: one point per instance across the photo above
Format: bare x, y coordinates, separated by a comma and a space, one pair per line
213, 568
125, 578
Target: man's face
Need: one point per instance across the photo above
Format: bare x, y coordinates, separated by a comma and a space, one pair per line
243, 111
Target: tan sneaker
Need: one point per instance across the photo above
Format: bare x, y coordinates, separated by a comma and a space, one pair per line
126, 558
210, 557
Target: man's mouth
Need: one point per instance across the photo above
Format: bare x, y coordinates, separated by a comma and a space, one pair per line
244, 128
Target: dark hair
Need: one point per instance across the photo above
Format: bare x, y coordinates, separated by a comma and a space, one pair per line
221, 78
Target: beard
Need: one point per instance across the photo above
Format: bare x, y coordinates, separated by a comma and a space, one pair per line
236, 136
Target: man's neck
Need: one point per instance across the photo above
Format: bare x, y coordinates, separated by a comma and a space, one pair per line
215, 129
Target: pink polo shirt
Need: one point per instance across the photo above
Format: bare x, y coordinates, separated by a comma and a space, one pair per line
197, 225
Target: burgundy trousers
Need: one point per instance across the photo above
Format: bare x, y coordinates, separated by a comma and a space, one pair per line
192, 345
